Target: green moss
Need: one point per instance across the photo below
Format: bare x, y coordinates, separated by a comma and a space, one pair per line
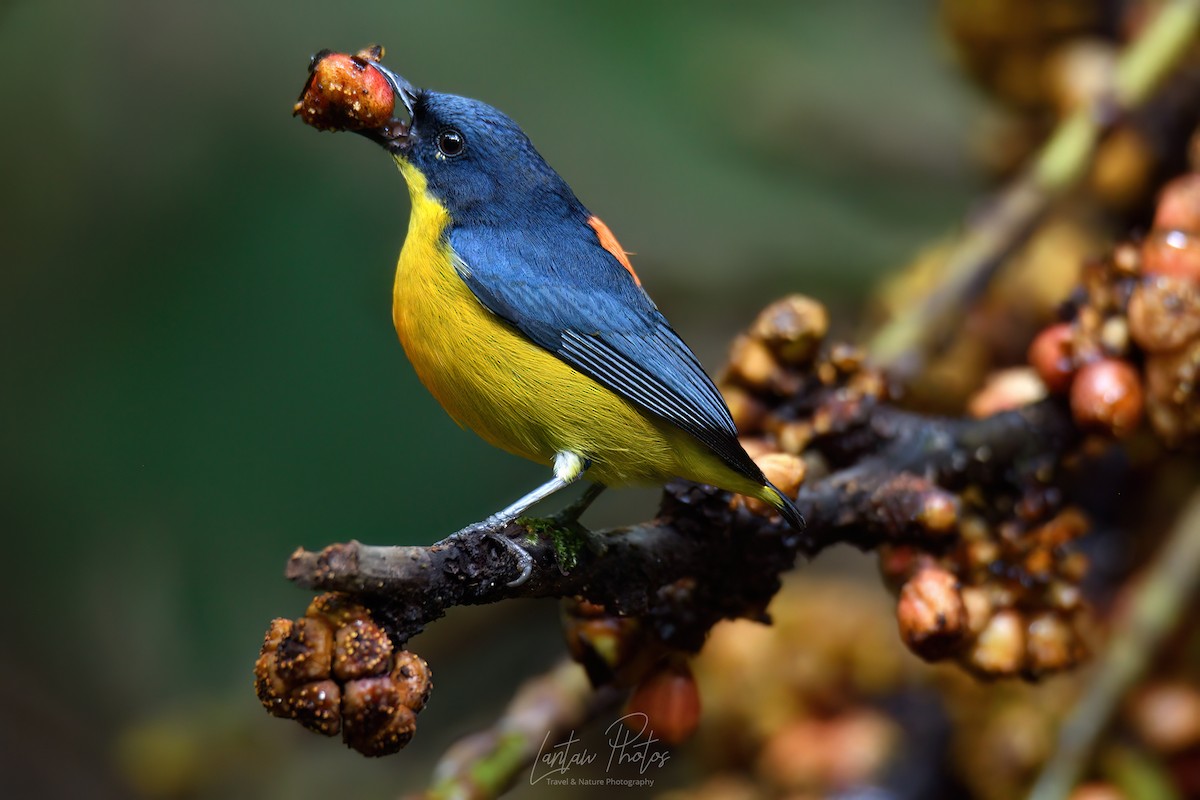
568, 541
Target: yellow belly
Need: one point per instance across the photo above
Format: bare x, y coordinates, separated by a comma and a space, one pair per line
516, 395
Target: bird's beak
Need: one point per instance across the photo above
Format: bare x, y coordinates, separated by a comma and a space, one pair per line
395, 135
403, 89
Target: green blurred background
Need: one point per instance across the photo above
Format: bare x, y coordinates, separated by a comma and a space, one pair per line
199, 366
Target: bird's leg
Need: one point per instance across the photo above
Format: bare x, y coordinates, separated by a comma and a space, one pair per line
573, 512
568, 468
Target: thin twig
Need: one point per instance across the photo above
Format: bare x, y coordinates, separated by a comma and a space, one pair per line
486, 764
903, 344
1155, 610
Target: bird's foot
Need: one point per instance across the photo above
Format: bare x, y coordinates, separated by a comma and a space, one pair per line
491, 528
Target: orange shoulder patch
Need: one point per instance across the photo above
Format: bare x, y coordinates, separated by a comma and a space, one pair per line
610, 243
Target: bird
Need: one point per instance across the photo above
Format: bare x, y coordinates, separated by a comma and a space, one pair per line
525, 319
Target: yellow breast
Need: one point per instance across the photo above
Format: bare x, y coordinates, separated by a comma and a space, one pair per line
514, 394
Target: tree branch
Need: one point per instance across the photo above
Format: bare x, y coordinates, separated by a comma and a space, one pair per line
701, 559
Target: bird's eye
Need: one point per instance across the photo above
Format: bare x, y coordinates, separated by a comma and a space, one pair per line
451, 143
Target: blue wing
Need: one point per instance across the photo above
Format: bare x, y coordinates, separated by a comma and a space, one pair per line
570, 296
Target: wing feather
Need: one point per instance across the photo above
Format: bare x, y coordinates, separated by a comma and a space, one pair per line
571, 297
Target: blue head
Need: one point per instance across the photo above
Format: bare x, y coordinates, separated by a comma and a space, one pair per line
476, 161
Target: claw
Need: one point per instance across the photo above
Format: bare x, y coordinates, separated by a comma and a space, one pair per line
568, 468
488, 530
524, 560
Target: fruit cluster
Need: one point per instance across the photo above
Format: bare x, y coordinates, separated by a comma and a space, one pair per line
335, 670
1132, 345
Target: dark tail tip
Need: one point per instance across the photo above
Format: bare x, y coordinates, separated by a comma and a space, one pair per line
787, 509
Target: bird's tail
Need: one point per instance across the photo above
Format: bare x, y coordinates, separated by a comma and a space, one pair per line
786, 507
